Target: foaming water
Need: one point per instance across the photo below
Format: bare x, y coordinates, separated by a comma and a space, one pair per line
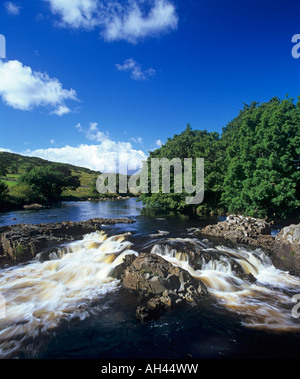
39, 296
243, 281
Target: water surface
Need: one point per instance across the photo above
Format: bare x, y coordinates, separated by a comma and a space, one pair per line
70, 307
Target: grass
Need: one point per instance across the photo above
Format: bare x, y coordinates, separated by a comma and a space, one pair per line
9, 183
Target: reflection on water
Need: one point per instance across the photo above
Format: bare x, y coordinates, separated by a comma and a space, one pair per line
74, 211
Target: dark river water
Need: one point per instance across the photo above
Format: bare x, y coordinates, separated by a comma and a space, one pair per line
69, 307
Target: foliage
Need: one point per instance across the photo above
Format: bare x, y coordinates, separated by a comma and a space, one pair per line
3, 192
47, 183
24, 194
3, 169
190, 144
253, 168
262, 150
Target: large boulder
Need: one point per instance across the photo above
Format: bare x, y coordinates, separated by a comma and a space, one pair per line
242, 230
160, 285
286, 250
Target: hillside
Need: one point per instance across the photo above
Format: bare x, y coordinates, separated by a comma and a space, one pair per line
16, 165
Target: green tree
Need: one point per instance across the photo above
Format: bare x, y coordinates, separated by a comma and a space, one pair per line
3, 169
4, 192
253, 168
50, 181
190, 144
262, 148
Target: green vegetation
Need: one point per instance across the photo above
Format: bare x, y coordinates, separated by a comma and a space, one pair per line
253, 168
26, 180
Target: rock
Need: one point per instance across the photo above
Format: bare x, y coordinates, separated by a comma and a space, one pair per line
35, 206
160, 285
22, 242
153, 309
118, 271
242, 230
286, 250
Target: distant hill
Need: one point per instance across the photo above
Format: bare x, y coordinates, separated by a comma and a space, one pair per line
17, 165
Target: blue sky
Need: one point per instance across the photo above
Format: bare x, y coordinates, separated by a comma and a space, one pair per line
84, 79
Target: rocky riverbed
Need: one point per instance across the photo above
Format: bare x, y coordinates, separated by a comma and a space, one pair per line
283, 249
157, 283
22, 242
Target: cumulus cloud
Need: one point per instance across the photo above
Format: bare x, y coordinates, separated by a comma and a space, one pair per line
92, 133
12, 8
24, 89
130, 20
132, 24
135, 69
5, 150
61, 110
102, 157
76, 13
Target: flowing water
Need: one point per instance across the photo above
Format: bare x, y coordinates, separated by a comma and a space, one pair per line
70, 306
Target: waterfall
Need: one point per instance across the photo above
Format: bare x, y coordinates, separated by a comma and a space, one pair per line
265, 303
39, 296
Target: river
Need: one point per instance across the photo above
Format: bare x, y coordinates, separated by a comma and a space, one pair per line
70, 307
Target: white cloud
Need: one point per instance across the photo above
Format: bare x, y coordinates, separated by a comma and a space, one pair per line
76, 13
5, 150
92, 133
22, 88
128, 20
135, 69
103, 157
132, 24
61, 110
138, 140
158, 143
12, 8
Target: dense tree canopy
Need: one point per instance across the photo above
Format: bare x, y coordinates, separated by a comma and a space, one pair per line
253, 168
3, 192
47, 183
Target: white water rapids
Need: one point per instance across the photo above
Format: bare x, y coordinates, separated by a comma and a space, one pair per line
40, 295
265, 304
